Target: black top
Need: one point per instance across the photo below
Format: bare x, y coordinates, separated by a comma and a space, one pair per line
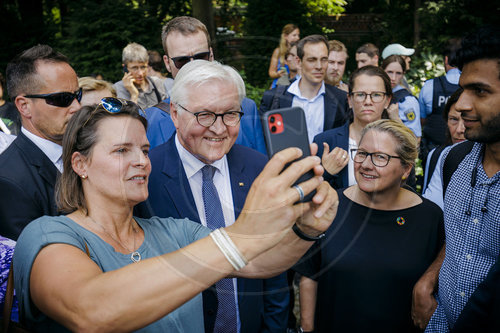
368, 263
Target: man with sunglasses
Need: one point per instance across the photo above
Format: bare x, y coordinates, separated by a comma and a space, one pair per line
201, 162
45, 91
186, 39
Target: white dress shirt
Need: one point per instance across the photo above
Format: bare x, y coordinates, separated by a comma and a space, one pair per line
314, 108
51, 149
222, 181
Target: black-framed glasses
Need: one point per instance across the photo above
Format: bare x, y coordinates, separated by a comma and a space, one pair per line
208, 118
378, 159
375, 96
60, 99
181, 61
114, 106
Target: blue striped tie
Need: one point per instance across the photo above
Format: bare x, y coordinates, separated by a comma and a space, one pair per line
226, 321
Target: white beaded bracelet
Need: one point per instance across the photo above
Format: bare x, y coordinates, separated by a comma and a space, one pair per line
229, 249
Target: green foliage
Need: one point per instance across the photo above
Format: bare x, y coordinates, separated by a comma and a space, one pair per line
423, 67
262, 27
324, 7
253, 92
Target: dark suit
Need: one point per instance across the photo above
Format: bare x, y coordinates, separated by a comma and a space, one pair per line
27, 179
337, 137
335, 104
170, 195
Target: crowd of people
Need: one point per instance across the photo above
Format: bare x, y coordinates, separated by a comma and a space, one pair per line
132, 206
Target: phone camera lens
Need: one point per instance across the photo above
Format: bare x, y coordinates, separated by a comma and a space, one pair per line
273, 129
271, 119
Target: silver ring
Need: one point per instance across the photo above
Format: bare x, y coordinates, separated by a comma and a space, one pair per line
344, 156
301, 192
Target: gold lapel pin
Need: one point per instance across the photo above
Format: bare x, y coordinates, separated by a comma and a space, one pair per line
241, 184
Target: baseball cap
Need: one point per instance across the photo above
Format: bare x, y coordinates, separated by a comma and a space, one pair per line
396, 49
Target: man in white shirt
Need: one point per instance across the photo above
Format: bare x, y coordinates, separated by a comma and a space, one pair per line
324, 105
45, 91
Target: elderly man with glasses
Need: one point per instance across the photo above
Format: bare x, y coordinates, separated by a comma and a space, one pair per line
186, 39
45, 91
201, 174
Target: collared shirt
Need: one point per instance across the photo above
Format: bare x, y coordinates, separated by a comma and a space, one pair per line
425, 97
409, 112
314, 108
51, 149
350, 165
222, 181
472, 223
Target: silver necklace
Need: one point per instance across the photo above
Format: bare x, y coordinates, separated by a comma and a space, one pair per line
135, 256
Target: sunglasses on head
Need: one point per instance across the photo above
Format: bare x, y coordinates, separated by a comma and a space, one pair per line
60, 99
181, 61
114, 106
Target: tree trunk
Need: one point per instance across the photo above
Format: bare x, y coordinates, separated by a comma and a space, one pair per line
416, 23
203, 11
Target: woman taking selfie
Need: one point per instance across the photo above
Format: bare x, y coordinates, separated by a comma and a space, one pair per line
277, 69
369, 95
99, 268
360, 276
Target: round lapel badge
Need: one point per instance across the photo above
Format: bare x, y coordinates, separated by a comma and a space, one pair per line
400, 220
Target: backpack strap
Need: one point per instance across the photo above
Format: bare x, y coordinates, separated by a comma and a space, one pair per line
455, 156
157, 93
280, 90
432, 163
165, 107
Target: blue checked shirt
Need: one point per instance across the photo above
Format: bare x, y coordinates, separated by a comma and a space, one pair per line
472, 241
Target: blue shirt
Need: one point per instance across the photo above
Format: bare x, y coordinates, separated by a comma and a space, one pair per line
161, 126
472, 241
160, 236
425, 97
409, 112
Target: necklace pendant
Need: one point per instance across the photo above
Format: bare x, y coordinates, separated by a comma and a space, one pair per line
135, 256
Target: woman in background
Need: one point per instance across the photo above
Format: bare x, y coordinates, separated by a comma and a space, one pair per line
277, 68
403, 101
369, 96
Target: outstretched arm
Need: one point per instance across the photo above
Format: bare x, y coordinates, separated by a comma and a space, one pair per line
68, 286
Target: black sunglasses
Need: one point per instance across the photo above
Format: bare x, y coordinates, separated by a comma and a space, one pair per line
114, 105
60, 99
181, 61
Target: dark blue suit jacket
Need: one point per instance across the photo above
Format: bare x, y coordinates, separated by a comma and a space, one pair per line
161, 127
27, 179
337, 137
335, 104
170, 195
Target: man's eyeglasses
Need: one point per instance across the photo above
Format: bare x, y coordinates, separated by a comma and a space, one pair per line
114, 106
376, 96
378, 159
60, 99
208, 118
181, 61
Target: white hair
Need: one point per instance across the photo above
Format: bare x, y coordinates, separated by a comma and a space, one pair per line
134, 52
199, 72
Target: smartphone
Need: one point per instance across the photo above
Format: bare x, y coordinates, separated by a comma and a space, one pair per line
125, 69
284, 128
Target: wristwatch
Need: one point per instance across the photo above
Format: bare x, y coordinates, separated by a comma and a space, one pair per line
301, 330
